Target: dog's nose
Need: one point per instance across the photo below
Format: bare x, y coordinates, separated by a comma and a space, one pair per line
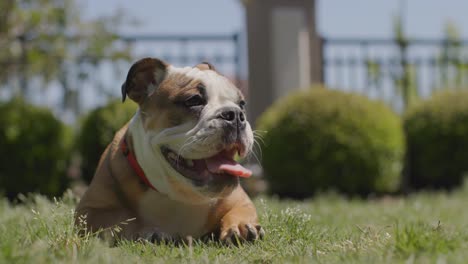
233, 115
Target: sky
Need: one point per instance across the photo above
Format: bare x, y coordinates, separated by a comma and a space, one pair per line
336, 18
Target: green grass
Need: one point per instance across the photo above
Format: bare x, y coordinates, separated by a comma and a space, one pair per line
422, 228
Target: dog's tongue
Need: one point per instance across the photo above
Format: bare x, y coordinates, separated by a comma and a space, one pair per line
223, 163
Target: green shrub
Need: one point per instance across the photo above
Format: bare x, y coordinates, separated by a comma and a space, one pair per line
34, 150
437, 139
97, 131
324, 139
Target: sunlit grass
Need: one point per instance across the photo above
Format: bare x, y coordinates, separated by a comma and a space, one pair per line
421, 228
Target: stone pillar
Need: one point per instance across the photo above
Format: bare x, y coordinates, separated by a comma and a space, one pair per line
284, 51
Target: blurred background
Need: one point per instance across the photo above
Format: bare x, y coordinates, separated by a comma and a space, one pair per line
371, 95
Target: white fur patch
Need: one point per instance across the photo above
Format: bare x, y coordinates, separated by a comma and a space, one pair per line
220, 91
192, 140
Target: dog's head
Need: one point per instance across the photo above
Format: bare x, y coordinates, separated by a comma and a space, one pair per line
193, 122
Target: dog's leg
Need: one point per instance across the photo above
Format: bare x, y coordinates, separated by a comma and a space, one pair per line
110, 224
240, 223
114, 224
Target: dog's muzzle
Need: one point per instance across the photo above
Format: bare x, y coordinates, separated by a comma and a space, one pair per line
234, 124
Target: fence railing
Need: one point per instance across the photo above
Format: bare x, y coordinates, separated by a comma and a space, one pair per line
222, 50
391, 70
387, 69
395, 71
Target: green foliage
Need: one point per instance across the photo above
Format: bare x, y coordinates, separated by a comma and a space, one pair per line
453, 68
405, 78
45, 41
34, 147
97, 132
320, 139
437, 139
420, 237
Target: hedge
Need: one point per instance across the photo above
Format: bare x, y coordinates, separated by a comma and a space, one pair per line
35, 149
323, 139
97, 131
437, 139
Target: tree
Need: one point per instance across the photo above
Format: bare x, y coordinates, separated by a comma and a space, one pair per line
44, 42
403, 74
453, 66
405, 80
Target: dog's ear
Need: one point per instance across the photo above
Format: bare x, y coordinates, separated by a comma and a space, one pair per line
205, 66
143, 78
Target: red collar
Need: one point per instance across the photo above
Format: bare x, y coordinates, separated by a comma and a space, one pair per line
134, 163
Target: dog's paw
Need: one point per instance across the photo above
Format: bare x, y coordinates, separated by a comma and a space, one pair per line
236, 234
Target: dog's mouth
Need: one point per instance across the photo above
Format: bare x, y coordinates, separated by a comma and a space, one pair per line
222, 164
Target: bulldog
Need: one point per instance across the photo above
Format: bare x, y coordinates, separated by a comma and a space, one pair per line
171, 172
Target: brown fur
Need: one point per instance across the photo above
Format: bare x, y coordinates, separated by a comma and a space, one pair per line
205, 66
117, 194
171, 90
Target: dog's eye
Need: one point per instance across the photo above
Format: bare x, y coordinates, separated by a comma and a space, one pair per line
200, 86
242, 104
194, 100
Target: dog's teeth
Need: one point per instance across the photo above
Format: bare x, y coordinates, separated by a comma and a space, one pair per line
189, 162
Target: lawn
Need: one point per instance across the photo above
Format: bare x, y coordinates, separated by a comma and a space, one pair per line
421, 228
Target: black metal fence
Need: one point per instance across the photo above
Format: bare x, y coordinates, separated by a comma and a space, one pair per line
395, 71
224, 51
387, 69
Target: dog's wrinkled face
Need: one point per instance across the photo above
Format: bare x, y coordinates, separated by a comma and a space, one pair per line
194, 122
